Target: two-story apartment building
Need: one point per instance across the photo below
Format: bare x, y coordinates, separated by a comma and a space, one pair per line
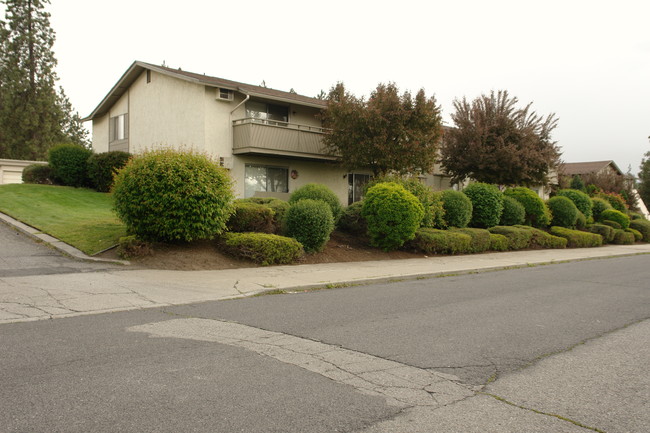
270, 140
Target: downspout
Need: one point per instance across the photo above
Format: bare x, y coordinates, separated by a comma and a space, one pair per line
232, 137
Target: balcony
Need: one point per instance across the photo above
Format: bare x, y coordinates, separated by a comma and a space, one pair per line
274, 138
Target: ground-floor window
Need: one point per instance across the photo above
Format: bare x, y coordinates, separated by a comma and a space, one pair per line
356, 182
265, 178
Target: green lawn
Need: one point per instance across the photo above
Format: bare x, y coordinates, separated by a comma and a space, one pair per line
80, 217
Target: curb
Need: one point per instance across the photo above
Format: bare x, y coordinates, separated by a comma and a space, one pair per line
58, 245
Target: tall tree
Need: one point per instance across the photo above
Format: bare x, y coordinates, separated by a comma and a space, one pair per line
644, 179
496, 142
387, 133
34, 115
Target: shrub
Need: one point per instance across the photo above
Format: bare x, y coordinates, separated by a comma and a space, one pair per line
578, 184
612, 224
542, 239
251, 217
487, 204
537, 214
457, 208
615, 215
279, 208
580, 199
643, 226
635, 216
598, 206
565, 213
434, 241
581, 222
607, 232
129, 247
317, 191
311, 223
577, 238
263, 248
615, 200
518, 238
167, 195
68, 164
638, 237
351, 221
498, 242
393, 215
622, 237
513, 212
101, 167
37, 173
480, 238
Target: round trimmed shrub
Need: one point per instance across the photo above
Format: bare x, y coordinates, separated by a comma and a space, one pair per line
537, 214
251, 217
581, 222
317, 191
278, 206
598, 206
498, 242
622, 237
101, 168
615, 200
638, 237
37, 173
351, 221
643, 227
68, 164
607, 232
166, 195
580, 199
457, 207
513, 212
487, 204
616, 216
565, 213
310, 222
393, 215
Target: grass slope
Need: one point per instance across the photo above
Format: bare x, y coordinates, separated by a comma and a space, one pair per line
80, 217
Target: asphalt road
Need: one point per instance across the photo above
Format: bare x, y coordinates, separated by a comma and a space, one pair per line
182, 369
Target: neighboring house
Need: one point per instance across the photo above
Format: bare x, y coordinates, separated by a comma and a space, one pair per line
270, 140
11, 170
571, 169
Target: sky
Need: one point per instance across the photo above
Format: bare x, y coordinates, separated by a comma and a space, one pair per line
586, 61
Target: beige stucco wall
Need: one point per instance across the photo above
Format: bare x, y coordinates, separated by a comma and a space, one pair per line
218, 132
11, 170
100, 134
304, 115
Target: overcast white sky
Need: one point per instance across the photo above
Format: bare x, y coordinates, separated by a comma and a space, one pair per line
586, 61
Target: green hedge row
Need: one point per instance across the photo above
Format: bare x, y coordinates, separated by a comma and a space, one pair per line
577, 238
263, 248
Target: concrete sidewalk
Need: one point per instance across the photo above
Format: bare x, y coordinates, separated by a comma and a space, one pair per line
26, 298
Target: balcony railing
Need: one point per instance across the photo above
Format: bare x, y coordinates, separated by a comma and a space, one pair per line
272, 137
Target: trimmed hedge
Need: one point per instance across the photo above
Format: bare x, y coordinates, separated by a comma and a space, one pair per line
537, 214
278, 206
615, 200
251, 217
487, 204
564, 211
37, 173
457, 207
513, 212
167, 195
622, 237
518, 238
542, 239
498, 242
68, 164
317, 191
638, 237
606, 231
581, 221
615, 215
263, 248
101, 167
577, 238
580, 199
612, 224
643, 226
480, 238
393, 215
598, 206
351, 221
311, 223
434, 241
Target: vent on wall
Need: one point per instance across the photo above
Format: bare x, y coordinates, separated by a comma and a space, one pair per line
224, 94
225, 162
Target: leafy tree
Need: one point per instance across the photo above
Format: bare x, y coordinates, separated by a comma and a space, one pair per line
644, 179
496, 142
578, 184
34, 114
387, 133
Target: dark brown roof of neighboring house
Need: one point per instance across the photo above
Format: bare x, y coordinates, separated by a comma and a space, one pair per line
574, 168
138, 67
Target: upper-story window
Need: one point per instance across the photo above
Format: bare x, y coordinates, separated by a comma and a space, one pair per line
267, 113
119, 128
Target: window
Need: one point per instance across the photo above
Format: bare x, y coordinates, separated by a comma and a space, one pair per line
267, 113
224, 94
356, 182
264, 178
118, 128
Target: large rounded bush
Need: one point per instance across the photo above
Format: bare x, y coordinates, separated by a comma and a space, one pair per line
643, 226
68, 164
458, 208
317, 191
393, 215
598, 205
101, 167
537, 214
487, 204
310, 222
166, 195
37, 173
513, 212
616, 216
580, 199
615, 200
564, 211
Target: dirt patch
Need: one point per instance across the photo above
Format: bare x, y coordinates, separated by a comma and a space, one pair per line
204, 255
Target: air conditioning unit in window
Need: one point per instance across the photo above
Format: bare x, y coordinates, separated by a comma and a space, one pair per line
225, 94
226, 162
